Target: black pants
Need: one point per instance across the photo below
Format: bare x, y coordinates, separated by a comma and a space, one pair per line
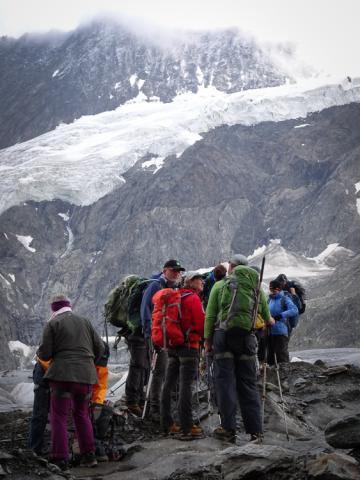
182, 365
158, 381
40, 411
138, 368
261, 336
278, 344
235, 379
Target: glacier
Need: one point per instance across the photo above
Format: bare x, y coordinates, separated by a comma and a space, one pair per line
83, 161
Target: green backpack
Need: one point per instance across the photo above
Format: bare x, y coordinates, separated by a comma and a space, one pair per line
122, 308
237, 299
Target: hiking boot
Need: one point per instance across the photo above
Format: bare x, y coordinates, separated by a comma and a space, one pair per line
195, 432
174, 429
134, 408
88, 460
100, 454
226, 435
256, 437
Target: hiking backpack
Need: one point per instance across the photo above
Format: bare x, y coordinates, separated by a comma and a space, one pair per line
166, 330
299, 298
237, 299
123, 306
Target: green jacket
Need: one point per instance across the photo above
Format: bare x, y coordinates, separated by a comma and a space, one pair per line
214, 305
72, 344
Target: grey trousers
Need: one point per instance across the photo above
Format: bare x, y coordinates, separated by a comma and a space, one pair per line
235, 379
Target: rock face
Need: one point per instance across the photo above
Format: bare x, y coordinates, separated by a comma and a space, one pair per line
101, 65
344, 433
234, 190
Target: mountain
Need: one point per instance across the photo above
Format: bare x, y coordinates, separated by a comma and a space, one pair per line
180, 170
234, 190
47, 80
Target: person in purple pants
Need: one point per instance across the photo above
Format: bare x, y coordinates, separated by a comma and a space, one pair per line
72, 344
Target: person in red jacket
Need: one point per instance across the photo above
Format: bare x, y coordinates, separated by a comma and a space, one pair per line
183, 361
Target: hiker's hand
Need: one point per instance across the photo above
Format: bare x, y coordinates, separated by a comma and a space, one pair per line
271, 321
208, 346
292, 291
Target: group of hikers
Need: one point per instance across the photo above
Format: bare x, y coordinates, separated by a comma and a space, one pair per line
170, 323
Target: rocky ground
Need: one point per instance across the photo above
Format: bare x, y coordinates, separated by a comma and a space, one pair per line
314, 395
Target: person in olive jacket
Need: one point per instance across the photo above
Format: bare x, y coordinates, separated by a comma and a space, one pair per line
72, 344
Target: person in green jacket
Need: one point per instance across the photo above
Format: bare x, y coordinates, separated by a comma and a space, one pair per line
228, 334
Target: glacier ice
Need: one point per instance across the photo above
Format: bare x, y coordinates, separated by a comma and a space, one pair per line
83, 161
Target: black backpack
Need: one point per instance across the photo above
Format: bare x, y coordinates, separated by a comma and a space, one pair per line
299, 298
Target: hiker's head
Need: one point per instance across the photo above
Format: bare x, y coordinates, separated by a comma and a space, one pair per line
194, 280
172, 270
275, 287
219, 272
59, 301
236, 260
282, 279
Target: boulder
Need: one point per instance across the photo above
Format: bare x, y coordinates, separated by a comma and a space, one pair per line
344, 433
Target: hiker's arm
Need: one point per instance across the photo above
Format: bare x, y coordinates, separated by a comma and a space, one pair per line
45, 350
292, 309
198, 315
264, 308
147, 308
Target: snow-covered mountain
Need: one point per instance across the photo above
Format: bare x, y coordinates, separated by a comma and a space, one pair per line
110, 143
46, 80
195, 174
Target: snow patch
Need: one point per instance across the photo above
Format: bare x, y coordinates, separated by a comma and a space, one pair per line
16, 345
5, 280
64, 216
12, 276
55, 73
199, 76
117, 86
156, 162
257, 251
330, 249
140, 83
132, 80
303, 125
26, 240
357, 187
23, 393
7, 238
69, 243
25, 305
358, 205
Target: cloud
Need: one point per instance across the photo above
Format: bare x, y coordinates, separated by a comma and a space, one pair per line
325, 31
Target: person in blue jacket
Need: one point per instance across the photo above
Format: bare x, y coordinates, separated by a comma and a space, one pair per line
282, 308
169, 278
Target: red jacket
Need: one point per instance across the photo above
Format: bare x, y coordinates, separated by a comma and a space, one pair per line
192, 316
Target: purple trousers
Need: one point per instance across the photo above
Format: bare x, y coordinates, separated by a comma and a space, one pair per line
65, 396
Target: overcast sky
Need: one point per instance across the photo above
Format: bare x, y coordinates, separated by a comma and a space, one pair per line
326, 32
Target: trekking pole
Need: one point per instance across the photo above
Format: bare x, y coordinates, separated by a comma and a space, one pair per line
263, 397
281, 397
114, 390
152, 368
106, 330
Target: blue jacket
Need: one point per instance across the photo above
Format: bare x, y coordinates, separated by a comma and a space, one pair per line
146, 304
281, 308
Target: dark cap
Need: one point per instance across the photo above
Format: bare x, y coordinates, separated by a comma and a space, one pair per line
174, 265
275, 284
